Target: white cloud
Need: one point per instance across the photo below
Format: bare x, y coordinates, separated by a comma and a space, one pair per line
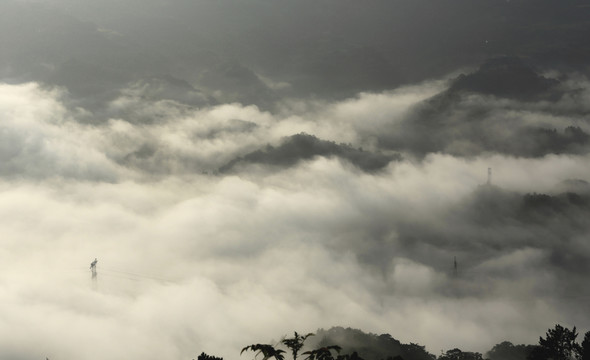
190, 262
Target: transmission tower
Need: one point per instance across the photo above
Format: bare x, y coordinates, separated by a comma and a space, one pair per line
93, 271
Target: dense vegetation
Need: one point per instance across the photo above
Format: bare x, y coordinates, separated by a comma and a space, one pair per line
339, 343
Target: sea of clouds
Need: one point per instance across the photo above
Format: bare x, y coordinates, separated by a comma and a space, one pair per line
191, 260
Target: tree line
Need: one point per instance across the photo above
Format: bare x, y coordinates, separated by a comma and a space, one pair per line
559, 343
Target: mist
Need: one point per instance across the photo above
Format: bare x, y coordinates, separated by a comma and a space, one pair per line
236, 184
191, 260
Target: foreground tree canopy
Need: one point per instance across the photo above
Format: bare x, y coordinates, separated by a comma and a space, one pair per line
339, 343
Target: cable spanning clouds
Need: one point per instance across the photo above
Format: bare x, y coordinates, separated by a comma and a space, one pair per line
191, 260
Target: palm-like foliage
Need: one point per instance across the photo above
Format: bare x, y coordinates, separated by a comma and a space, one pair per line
323, 353
295, 343
267, 351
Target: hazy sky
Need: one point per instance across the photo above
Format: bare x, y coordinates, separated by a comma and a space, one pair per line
119, 161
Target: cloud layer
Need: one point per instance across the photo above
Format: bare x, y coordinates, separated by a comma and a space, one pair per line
191, 260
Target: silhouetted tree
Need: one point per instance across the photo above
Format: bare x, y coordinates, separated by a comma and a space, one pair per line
507, 351
267, 351
559, 344
295, 343
413, 351
204, 356
323, 353
457, 354
353, 356
585, 348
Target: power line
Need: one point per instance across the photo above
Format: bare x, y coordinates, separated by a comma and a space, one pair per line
136, 276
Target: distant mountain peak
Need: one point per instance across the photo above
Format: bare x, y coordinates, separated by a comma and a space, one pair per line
299, 147
505, 77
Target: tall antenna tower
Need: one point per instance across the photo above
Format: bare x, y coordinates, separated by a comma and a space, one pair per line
489, 176
93, 271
